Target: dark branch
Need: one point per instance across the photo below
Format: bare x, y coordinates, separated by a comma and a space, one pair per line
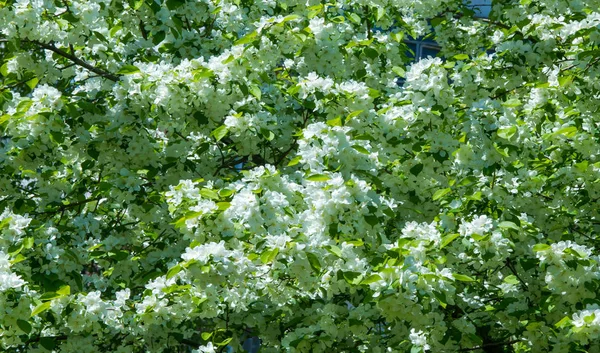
64, 207
13, 85
76, 60
493, 344
294, 142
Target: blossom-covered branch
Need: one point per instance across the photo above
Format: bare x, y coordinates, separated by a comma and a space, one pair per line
71, 56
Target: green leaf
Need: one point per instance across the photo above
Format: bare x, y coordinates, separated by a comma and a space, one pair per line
337, 121
462, 278
461, 56
398, 36
191, 215
294, 161
371, 279
97, 254
574, 252
57, 136
318, 177
49, 296
94, 247
379, 13
174, 4
269, 255
302, 35
512, 103
28, 242
202, 72
290, 18
371, 53
352, 277
568, 131
14, 249
255, 91
565, 321
225, 192
209, 193
416, 169
354, 18
41, 308
372, 220
440, 193
441, 297
4, 70
48, 342
399, 71
360, 149
353, 114
313, 11
138, 4
222, 206
360, 73
565, 80
158, 37
479, 237
100, 36
314, 262
476, 196
64, 290
541, 247
128, 70
24, 105
176, 288
448, 239
512, 279
507, 224
17, 259
334, 250
355, 242
582, 166
4, 118
267, 134
4, 223
206, 335
507, 133
225, 341
32, 83
174, 271
219, 132
248, 38
25, 326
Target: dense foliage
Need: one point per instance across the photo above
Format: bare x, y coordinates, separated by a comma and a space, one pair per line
183, 175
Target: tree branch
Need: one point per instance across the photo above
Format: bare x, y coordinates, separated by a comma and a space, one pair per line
62, 208
294, 142
76, 60
14, 85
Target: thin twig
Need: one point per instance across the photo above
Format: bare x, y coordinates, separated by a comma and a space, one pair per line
294, 142
512, 269
180, 135
13, 85
493, 344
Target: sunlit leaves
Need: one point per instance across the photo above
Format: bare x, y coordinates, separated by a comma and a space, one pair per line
128, 70
41, 308
185, 166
